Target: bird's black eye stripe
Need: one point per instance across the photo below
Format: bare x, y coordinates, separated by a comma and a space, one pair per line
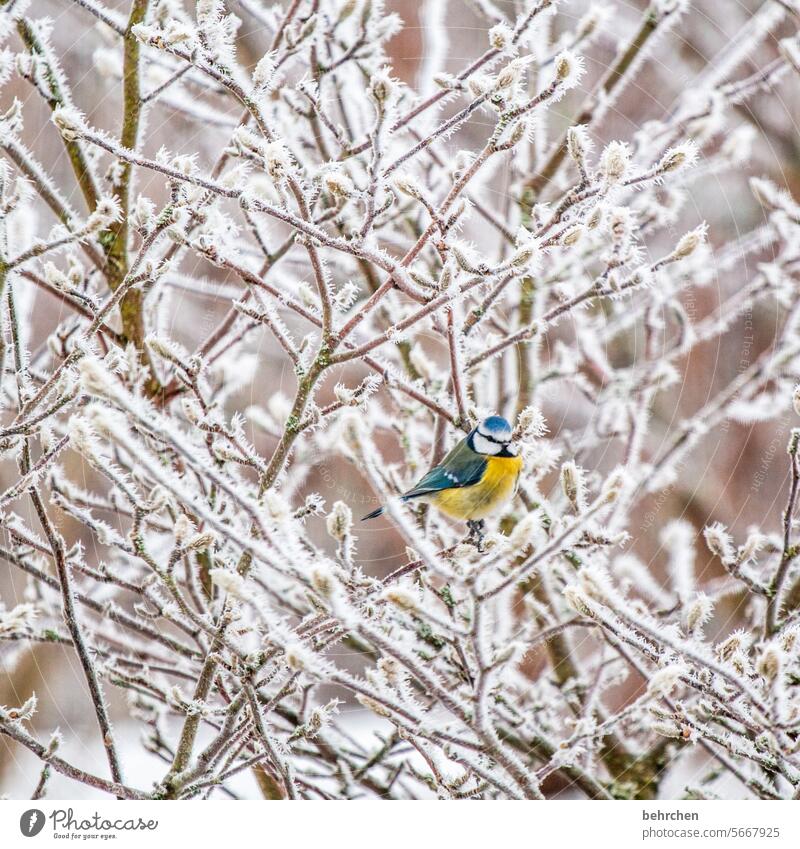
491, 438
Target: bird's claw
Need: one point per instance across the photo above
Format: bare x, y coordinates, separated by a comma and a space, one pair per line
475, 536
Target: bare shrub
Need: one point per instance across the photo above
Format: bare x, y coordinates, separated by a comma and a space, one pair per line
407, 261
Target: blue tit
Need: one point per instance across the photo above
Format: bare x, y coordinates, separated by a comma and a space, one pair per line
475, 479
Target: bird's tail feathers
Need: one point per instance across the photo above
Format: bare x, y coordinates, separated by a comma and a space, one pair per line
380, 511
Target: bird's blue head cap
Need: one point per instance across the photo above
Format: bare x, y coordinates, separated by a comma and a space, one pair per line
493, 437
496, 427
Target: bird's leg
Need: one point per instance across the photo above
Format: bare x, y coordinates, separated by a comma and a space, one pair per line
475, 533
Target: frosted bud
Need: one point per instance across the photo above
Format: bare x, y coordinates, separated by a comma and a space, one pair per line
523, 257
56, 278
525, 532
401, 598
578, 143
572, 235
176, 32
614, 484
767, 193
323, 580
296, 656
789, 638
95, 379
229, 582
620, 223
201, 541
106, 212
447, 82
577, 600
382, 87
698, 613
667, 729
184, 164
690, 242
573, 484
67, 383
731, 645
770, 663
528, 250
465, 257
82, 438
569, 68
531, 423
11, 120
479, 84
278, 507
614, 161
346, 9
339, 521
509, 76
55, 741
277, 160
338, 183
69, 122
796, 399
595, 582
462, 160
143, 213
314, 504
19, 618
517, 134
682, 156
158, 499
344, 394
166, 348
245, 139
183, 530
501, 37
663, 681
719, 542
752, 546
408, 185
192, 410
307, 295
23, 713
207, 11
506, 653
391, 670
373, 705
596, 217
321, 717
264, 71
591, 21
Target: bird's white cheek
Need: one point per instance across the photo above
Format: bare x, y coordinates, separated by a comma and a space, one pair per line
485, 446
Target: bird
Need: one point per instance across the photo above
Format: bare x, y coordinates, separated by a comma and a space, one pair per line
475, 479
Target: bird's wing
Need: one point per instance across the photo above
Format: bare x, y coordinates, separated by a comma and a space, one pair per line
461, 467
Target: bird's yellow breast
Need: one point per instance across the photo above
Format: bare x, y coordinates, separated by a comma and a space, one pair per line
480, 500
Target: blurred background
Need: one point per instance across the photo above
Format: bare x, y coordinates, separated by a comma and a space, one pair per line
738, 476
